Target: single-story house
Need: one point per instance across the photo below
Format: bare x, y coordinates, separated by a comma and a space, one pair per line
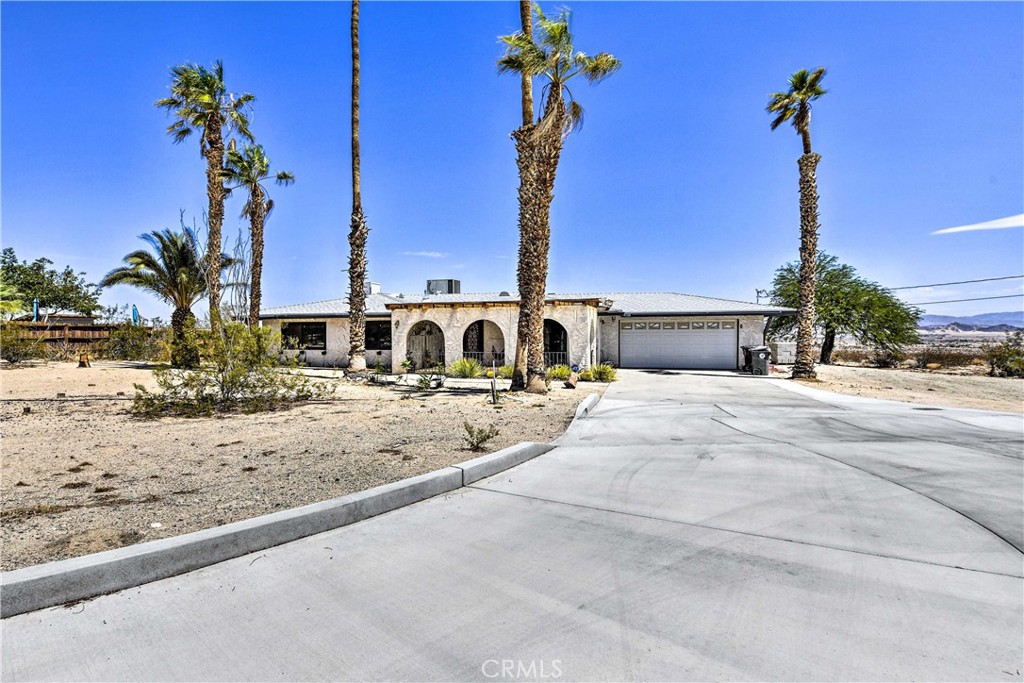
625, 329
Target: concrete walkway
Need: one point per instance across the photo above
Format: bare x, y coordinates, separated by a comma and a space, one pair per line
696, 526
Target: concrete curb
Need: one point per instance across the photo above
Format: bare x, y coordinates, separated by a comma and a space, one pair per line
586, 405
486, 465
80, 578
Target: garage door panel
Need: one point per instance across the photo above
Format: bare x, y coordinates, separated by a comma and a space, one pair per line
703, 345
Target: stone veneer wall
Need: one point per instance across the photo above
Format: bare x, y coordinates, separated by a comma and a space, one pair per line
578, 320
751, 333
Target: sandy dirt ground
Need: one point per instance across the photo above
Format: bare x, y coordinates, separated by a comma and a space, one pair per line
955, 388
79, 474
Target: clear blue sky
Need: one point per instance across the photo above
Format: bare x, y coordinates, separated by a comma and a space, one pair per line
674, 183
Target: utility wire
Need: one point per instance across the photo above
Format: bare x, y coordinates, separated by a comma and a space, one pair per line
962, 282
954, 301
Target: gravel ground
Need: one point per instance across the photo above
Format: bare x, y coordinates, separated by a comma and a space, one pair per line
956, 388
79, 474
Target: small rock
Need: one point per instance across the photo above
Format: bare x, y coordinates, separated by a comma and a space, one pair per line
155, 525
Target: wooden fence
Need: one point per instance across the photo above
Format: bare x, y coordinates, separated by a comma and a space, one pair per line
54, 334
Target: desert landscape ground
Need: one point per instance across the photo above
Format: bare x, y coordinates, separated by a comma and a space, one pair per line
80, 474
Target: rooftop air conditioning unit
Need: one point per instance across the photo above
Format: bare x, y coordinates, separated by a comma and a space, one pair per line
444, 287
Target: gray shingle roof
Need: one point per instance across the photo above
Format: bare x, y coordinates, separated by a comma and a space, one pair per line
331, 308
621, 303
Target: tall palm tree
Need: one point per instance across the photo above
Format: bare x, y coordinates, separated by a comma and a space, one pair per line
522, 277
358, 230
175, 271
794, 105
249, 168
201, 103
549, 54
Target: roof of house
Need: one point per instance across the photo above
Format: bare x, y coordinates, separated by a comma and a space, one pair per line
673, 303
612, 303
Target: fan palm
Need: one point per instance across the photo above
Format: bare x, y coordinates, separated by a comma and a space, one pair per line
202, 104
358, 230
249, 168
548, 53
175, 271
794, 106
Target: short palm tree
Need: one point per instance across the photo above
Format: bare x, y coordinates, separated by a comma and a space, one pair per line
547, 53
358, 230
794, 105
201, 103
174, 271
249, 168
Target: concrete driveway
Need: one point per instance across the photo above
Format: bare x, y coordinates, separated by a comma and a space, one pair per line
696, 526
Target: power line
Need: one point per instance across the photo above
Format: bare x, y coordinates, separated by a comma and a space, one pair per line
954, 301
962, 282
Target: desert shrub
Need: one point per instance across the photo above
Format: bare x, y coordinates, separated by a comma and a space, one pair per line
466, 368
431, 378
558, 372
603, 372
943, 356
852, 355
506, 371
14, 347
242, 373
476, 437
134, 342
887, 358
586, 375
1006, 359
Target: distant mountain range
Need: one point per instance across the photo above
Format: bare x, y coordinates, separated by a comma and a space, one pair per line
985, 322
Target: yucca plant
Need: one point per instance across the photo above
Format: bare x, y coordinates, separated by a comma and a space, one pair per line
466, 368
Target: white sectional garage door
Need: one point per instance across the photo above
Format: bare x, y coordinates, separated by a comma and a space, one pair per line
696, 344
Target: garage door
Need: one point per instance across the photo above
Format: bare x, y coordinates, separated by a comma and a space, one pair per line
697, 344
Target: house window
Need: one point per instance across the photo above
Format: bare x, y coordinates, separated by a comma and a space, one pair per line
654, 326
378, 335
713, 326
305, 336
728, 326
697, 326
626, 326
639, 326
668, 326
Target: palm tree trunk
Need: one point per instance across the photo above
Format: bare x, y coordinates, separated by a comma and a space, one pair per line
183, 351
257, 216
523, 157
548, 150
804, 365
358, 230
215, 216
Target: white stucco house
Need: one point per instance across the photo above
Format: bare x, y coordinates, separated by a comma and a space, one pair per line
625, 329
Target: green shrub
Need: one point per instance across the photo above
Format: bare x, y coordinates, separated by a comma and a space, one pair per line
476, 437
134, 342
14, 347
242, 373
586, 375
558, 372
1006, 359
603, 372
431, 378
466, 368
506, 371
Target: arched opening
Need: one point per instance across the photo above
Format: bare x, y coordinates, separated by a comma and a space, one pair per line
425, 345
556, 344
484, 343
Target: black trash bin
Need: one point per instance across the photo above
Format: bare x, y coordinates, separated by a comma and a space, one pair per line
746, 359
760, 359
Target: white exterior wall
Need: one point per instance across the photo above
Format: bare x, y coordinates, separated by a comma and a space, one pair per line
750, 333
336, 354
